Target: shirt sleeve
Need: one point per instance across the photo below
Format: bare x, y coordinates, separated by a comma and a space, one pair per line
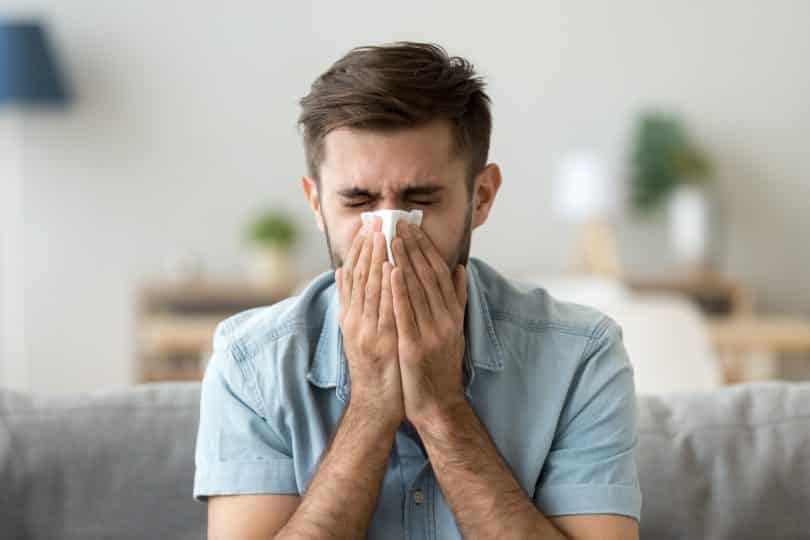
590, 467
237, 451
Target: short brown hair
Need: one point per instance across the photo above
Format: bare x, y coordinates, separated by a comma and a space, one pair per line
398, 85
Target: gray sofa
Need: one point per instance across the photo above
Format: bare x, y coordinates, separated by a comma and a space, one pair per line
731, 463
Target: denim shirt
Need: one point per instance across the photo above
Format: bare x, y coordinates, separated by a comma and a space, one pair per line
550, 381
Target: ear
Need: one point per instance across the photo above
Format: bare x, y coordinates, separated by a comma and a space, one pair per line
311, 192
485, 187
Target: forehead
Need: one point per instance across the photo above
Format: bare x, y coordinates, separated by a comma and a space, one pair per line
381, 160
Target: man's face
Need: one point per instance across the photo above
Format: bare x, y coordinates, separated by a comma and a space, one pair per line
406, 169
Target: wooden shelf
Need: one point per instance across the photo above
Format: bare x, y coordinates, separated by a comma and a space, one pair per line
714, 293
761, 332
175, 322
178, 333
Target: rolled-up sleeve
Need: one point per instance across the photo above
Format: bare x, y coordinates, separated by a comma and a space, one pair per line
590, 467
237, 451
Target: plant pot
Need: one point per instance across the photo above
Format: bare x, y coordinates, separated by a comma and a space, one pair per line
272, 267
689, 223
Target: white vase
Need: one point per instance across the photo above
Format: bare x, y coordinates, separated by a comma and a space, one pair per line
272, 267
688, 211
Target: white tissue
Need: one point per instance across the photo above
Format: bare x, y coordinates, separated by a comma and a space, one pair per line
389, 224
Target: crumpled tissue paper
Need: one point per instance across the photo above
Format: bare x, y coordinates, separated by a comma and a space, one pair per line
389, 224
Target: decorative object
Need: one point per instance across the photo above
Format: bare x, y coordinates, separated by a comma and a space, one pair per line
272, 234
688, 212
667, 168
588, 195
29, 77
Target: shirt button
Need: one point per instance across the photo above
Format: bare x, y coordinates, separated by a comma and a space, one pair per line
418, 496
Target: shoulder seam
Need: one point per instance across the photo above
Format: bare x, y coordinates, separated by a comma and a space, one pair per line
597, 333
542, 325
247, 370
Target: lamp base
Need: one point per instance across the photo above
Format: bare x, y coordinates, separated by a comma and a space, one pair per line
596, 252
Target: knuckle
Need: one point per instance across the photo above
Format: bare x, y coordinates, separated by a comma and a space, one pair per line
370, 289
348, 325
367, 341
431, 338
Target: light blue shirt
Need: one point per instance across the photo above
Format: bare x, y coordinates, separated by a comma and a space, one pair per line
550, 381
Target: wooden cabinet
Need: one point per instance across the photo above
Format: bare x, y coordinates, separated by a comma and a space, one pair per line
175, 322
746, 342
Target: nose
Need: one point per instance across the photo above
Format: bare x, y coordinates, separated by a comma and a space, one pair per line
389, 204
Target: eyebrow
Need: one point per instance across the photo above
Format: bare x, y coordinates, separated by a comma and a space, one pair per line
415, 189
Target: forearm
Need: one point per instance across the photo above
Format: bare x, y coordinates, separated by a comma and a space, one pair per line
352, 467
478, 485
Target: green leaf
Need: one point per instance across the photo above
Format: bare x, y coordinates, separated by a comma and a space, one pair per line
272, 227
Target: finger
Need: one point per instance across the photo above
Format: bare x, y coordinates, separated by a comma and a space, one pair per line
421, 309
371, 307
387, 321
440, 267
350, 263
403, 311
360, 272
424, 269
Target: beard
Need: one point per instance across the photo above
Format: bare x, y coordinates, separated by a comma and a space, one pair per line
460, 255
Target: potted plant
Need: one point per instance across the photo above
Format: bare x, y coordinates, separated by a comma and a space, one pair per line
669, 169
272, 234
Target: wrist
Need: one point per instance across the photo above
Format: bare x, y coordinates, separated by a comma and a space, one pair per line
369, 412
440, 415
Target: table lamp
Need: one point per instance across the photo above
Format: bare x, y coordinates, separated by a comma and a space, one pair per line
588, 195
29, 77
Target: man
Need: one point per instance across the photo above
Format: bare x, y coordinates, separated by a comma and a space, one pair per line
430, 399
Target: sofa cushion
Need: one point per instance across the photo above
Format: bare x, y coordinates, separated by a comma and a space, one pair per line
117, 464
728, 463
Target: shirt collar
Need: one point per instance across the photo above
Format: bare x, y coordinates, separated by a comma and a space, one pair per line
329, 367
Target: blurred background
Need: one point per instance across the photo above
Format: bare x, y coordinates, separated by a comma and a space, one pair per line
654, 154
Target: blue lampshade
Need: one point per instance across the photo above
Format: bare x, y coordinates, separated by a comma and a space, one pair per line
29, 74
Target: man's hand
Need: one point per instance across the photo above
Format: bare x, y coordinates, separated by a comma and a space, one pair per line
368, 327
429, 306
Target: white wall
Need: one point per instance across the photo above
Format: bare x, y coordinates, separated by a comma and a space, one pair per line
186, 121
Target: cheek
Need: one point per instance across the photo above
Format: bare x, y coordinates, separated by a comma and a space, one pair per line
343, 224
444, 236
346, 231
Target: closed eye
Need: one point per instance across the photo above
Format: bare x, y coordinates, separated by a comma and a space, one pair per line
363, 203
